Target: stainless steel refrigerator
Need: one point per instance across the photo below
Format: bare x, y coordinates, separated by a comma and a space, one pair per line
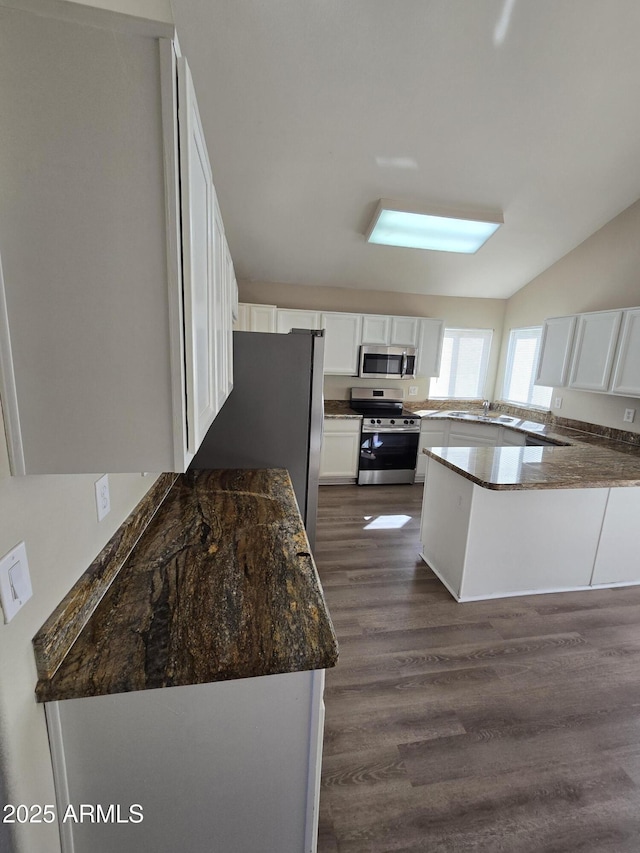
273, 417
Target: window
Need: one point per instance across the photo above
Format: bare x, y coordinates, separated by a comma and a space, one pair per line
463, 370
522, 365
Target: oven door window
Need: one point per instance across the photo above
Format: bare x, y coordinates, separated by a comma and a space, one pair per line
388, 451
377, 364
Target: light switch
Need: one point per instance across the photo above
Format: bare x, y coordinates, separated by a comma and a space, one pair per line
15, 581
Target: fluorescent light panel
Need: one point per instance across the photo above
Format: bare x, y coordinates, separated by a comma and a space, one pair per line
437, 230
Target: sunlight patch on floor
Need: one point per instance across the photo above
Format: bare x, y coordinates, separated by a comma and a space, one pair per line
386, 522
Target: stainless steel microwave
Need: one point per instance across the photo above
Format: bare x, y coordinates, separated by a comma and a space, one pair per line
378, 362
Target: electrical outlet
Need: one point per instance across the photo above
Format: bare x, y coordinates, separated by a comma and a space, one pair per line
629, 415
557, 403
103, 499
413, 390
15, 581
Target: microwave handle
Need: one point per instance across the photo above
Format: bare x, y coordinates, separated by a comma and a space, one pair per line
403, 369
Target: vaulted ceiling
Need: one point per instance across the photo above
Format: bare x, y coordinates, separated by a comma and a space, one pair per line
315, 109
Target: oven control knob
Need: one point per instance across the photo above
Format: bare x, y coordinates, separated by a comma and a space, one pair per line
406, 421
373, 420
378, 421
392, 421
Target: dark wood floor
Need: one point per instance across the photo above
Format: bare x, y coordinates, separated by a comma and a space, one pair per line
510, 725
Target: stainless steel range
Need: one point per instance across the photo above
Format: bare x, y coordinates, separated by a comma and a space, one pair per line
389, 439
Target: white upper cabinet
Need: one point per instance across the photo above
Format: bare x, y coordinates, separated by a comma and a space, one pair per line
113, 324
594, 351
342, 339
231, 301
555, 351
431, 333
405, 331
376, 329
202, 269
626, 374
345, 332
294, 318
256, 318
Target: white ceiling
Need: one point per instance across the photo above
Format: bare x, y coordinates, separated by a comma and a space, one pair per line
315, 109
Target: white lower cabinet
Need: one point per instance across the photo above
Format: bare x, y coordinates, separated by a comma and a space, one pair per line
619, 545
232, 766
455, 433
340, 450
432, 434
511, 438
473, 434
485, 543
115, 314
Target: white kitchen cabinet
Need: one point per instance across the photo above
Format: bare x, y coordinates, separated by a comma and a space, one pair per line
463, 434
231, 766
110, 334
594, 351
256, 318
485, 543
626, 373
341, 342
405, 331
617, 555
555, 351
231, 295
376, 329
390, 330
431, 333
432, 434
340, 450
294, 318
511, 438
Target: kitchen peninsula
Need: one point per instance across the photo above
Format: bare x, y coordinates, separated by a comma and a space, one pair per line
502, 521
210, 589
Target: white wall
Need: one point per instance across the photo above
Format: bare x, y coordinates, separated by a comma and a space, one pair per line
56, 517
601, 273
455, 311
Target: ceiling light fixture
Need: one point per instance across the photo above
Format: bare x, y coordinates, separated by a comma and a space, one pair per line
437, 229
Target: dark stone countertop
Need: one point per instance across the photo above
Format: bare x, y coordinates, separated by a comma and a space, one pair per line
339, 409
570, 467
219, 585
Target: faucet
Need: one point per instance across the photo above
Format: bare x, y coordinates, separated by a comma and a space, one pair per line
485, 407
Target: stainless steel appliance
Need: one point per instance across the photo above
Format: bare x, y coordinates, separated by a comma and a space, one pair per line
389, 438
273, 417
379, 362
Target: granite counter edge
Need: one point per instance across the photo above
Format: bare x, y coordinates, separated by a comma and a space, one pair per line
318, 651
